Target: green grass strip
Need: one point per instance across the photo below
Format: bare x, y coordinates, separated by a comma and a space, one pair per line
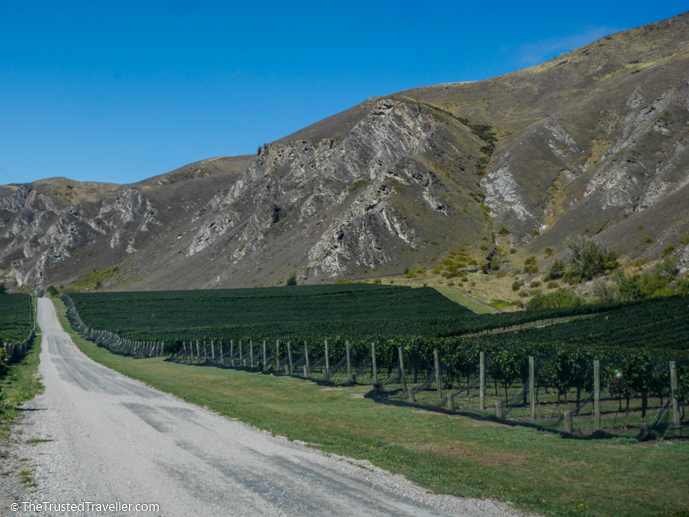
446, 454
19, 385
459, 297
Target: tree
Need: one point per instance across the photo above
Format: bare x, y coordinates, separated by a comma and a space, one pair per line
292, 280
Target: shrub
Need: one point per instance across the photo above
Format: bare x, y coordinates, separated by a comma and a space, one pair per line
517, 285
668, 250
554, 300
292, 280
589, 259
503, 231
557, 270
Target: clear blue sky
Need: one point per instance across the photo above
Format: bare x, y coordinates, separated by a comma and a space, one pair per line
118, 90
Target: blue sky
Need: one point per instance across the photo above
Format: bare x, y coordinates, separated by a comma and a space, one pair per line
123, 90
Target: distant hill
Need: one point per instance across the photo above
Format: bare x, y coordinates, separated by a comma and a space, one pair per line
593, 142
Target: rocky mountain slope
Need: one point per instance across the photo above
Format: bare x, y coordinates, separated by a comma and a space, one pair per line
593, 142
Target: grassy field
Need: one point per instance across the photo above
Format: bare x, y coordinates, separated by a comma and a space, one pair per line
447, 454
459, 297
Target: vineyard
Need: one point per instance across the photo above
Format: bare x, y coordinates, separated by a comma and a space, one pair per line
16, 326
269, 313
582, 367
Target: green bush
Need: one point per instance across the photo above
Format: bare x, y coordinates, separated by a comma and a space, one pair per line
589, 259
556, 271
292, 280
554, 300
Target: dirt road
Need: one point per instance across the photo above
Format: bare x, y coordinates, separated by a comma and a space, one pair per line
115, 440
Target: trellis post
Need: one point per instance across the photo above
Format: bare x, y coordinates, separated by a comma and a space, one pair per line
327, 361
307, 366
403, 381
289, 356
374, 368
677, 417
251, 352
436, 361
277, 355
349, 364
596, 394
265, 355
532, 387
482, 381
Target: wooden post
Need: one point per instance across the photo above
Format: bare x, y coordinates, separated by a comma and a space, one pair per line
374, 368
241, 354
498, 408
596, 394
482, 381
251, 352
222, 360
327, 361
162, 349
277, 355
436, 361
349, 364
232, 352
403, 381
289, 356
450, 402
213, 350
569, 424
307, 366
205, 353
532, 387
410, 392
677, 417
198, 352
265, 355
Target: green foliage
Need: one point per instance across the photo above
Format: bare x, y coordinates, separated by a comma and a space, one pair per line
503, 231
589, 259
556, 271
517, 284
15, 318
3, 289
306, 312
4, 359
292, 280
649, 284
656, 326
530, 265
52, 291
95, 279
555, 300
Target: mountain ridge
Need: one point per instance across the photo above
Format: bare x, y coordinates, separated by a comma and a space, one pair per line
592, 142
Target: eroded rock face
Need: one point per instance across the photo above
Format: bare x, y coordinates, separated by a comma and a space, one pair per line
46, 235
593, 142
348, 179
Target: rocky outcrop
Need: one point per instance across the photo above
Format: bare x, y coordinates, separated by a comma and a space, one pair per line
594, 142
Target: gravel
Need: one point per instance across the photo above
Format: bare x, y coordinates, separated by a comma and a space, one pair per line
116, 440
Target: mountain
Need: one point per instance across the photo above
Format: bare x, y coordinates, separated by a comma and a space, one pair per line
593, 142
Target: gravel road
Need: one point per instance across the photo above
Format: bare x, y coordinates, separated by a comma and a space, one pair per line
116, 440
